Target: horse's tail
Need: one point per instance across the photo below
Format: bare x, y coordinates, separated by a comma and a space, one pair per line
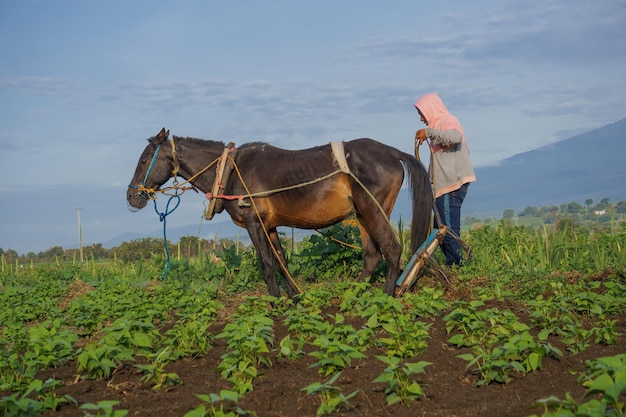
422, 196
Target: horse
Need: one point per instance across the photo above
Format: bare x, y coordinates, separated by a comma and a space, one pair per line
306, 189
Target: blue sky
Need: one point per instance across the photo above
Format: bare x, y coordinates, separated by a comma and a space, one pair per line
84, 83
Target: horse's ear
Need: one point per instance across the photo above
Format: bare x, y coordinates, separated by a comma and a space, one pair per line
162, 136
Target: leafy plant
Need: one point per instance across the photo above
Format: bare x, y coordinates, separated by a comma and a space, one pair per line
605, 376
331, 397
154, 372
401, 387
214, 405
45, 398
333, 355
103, 409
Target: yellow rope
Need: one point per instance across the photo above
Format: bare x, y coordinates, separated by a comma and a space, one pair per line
267, 235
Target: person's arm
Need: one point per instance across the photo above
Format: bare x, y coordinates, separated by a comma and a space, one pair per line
444, 137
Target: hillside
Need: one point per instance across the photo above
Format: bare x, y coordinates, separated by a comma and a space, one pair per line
590, 165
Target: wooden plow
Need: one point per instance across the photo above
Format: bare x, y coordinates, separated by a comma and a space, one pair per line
419, 259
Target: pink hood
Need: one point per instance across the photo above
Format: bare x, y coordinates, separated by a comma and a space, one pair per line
437, 115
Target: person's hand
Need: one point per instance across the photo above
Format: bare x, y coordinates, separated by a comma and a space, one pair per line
420, 136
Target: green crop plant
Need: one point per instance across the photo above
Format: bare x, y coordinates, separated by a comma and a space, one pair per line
136, 334
38, 397
103, 409
241, 371
155, 373
469, 322
249, 338
399, 377
333, 253
520, 353
304, 322
219, 405
333, 355
49, 344
499, 342
331, 398
404, 337
606, 332
99, 360
289, 349
188, 338
605, 380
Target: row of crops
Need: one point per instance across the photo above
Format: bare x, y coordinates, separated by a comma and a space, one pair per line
571, 286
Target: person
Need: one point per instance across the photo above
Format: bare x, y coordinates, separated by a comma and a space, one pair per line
450, 167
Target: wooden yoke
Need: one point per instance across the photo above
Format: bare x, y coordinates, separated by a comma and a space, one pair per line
221, 178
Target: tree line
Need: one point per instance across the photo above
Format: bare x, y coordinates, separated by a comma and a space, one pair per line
591, 216
143, 248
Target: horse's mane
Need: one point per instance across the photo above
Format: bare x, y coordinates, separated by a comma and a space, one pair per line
205, 142
253, 144
197, 141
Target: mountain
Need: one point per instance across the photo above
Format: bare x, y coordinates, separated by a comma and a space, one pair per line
590, 165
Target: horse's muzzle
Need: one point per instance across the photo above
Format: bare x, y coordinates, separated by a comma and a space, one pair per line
136, 199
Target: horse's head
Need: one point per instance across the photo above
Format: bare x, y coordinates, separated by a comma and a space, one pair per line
153, 170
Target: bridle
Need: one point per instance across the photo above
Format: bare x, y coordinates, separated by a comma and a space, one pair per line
179, 189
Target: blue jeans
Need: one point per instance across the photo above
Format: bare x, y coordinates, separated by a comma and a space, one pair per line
449, 208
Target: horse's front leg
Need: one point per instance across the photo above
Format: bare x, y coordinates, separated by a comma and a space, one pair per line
262, 246
292, 289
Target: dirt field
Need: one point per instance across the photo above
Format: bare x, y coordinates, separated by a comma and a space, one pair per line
450, 390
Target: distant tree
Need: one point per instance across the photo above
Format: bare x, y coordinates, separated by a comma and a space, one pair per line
140, 248
574, 208
588, 203
508, 213
529, 211
11, 256
620, 207
53, 253
604, 203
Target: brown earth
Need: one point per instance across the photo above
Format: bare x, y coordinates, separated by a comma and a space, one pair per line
450, 389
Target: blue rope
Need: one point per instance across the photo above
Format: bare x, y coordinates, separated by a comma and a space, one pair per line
162, 217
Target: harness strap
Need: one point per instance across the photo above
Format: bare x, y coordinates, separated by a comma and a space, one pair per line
340, 156
215, 203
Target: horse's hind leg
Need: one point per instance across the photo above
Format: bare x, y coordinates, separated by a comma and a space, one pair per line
382, 237
292, 290
371, 253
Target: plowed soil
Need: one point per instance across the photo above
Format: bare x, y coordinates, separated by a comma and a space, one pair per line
450, 389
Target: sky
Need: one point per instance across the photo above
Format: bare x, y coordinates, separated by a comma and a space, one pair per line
83, 84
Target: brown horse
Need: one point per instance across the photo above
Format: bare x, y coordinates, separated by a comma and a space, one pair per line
272, 187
